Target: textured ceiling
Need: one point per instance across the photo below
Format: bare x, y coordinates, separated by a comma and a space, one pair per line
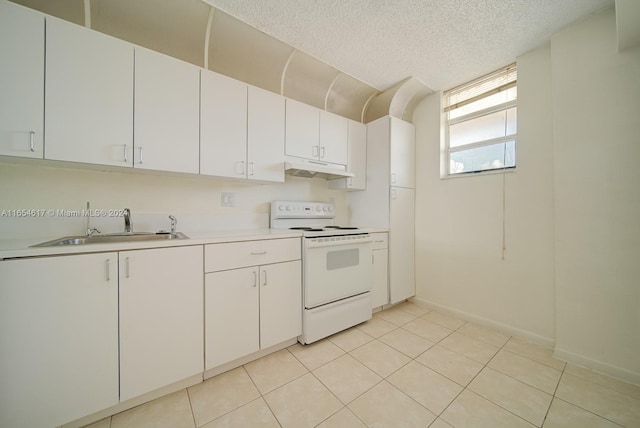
442, 43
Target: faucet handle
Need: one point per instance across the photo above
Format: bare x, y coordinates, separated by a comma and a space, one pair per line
174, 223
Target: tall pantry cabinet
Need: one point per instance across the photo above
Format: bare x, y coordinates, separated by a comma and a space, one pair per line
389, 198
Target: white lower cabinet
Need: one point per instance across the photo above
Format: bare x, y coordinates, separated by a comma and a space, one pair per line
58, 338
161, 318
380, 287
250, 308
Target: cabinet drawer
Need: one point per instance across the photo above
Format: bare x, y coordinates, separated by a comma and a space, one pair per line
235, 255
380, 240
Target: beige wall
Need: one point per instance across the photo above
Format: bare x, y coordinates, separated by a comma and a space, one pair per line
459, 221
570, 275
194, 200
596, 110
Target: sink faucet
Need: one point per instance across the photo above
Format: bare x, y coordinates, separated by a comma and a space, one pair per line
128, 225
174, 222
90, 230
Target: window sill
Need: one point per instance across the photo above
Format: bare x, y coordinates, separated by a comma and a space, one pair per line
511, 170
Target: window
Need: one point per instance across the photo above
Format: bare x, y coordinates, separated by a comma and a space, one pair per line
481, 123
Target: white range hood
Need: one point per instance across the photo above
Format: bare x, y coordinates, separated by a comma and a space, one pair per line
310, 169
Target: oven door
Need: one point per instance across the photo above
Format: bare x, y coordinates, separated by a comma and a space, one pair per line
336, 267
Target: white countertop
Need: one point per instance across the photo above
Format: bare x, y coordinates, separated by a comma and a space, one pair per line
22, 247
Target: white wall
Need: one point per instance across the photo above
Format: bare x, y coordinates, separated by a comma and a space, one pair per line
571, 271
194, 200
596, 109
459, 221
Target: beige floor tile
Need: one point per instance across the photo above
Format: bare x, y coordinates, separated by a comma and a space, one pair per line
604, 380
380, 358
253, 414
432, 390
396, 316
456, 367
439, 423
471, 410
406, 342
316, 354
427, 329
274, 370
485, 334
221, 394
528, 371
347, 378
605, 402
305, 402
475, 349
523, 400
376, 327
343, 419
350, 339
534, 352
385, 406
413, 308
170, 411
566, 415
103, 423
444, 320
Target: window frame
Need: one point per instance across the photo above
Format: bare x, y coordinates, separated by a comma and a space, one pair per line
502, 107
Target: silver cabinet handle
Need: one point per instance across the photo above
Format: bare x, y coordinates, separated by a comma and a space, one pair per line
107, 266
258, 253
255, 278
252, 168
140, 156
241, 170
264, 272
126, 267
393, 177
314, 151
32, 134
321, 152
124, 152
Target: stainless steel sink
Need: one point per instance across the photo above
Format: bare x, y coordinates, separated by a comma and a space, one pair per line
112, 238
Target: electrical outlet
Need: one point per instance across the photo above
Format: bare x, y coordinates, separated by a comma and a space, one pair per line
228, 199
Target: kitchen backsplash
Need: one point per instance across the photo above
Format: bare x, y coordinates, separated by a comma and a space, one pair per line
40, 201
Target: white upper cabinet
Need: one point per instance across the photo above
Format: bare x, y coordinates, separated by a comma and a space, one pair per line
241, 130
88, 96
334, 134
402, 154
22, 82
223, 126
302, 130
357, 161
167, 112
316, 134
265, 134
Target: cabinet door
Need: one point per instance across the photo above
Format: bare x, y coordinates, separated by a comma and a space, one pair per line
265, 136
223, 126
231, 315
280, 303
401, 244
88, 96
334, 133
302, 130
403, 151
161, 318
59, 338
167, 111
22, 82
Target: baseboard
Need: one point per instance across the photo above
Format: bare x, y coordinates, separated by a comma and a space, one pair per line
547, 342
598, 366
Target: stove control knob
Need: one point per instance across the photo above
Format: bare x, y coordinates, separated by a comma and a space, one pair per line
330, 208
325, 209
318, 208
281, 207
289, 208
